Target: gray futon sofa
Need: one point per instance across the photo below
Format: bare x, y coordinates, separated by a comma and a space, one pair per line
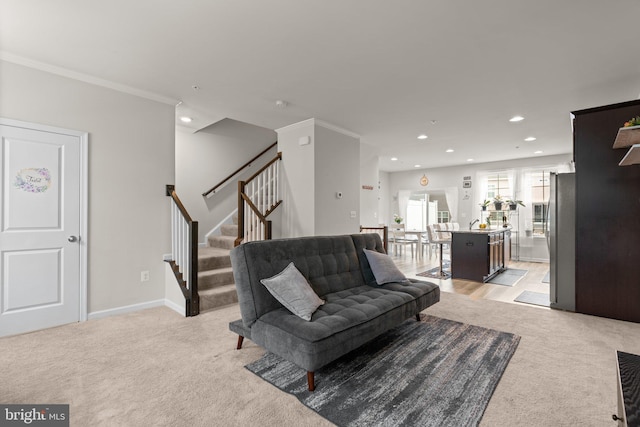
356, 308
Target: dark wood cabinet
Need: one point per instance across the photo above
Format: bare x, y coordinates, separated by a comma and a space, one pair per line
607, 212
478, 255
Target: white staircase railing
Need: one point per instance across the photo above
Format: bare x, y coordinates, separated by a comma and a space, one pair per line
184, 252
258, 197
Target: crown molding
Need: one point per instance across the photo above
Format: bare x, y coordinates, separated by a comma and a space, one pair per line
316, 122
337, 129
64, 72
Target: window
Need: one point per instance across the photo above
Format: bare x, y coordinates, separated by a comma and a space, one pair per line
443, 216
499, 184
539, 201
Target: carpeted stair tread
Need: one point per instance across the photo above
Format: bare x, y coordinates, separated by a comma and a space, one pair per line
225, 242
215, 278
229, 230
210, 258
217, 297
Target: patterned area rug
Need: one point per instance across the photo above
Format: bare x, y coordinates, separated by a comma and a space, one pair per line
436, 372
435, 272
509, 277
535, 298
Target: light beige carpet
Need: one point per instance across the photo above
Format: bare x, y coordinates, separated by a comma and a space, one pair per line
155, 368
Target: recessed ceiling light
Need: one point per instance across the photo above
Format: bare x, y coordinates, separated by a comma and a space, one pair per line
469, 160
450, 150
393, 159
423, 136
516, 119
537, 152
186, 119
416, 166
530, 138
281, 104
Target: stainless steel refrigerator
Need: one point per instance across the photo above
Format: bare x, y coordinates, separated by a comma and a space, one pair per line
561, 238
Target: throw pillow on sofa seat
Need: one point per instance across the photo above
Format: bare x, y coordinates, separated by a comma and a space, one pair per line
356, 309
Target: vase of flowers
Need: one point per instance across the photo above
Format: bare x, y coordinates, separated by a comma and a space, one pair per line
397, 218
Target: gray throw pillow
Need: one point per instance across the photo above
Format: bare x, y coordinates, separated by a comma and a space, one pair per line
383, 268
293, 291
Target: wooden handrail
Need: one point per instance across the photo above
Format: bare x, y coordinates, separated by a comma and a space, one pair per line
272, 161
213, 189
171, 192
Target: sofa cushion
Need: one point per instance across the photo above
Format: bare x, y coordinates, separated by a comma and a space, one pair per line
347, 319
383, 268
293, 291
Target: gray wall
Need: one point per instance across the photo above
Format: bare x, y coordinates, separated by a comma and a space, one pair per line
337, 169
312, 175
369, 176
297, 180
131, 158
205, 158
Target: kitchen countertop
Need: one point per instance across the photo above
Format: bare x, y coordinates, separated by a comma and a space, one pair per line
481, 230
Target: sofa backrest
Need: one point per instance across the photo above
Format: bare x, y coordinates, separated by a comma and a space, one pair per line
330, 264
373, 242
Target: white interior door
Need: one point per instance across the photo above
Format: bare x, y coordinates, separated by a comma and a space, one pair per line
40, 233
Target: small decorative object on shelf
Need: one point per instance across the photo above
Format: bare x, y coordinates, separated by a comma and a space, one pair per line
397, 218
484, 204
497, 202
628, 134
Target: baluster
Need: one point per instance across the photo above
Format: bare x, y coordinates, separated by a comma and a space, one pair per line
263, 207
187, 264
277, 189
269, 192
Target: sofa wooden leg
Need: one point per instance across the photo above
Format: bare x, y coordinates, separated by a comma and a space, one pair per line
311, 381
240, 340
418, 317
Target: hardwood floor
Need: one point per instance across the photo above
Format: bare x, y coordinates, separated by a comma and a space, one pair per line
532, 281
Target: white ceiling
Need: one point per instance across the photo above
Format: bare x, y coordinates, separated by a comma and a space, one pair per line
382, 69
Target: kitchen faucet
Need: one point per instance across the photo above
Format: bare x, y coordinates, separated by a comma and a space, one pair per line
473, 222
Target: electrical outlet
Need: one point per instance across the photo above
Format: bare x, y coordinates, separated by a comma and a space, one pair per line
144, 276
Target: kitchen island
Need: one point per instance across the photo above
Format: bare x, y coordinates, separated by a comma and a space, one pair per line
479, 254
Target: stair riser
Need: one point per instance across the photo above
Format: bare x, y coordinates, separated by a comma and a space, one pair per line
210, 281
221, 242
211, 263
220, 300
229, 230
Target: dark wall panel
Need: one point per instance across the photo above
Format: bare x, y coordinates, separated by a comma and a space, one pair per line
607, 216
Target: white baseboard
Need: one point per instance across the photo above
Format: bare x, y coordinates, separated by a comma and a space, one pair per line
126, 309
175, 307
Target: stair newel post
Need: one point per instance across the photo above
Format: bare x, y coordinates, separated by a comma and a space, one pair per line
193, 271
267, 230
241, 186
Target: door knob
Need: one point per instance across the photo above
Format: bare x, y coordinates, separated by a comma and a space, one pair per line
72, 239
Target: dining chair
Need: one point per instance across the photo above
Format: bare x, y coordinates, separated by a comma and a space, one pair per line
399, 239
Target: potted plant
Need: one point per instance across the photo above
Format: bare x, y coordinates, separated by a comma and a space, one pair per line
485, 204
497, 202
513, 204
397, 218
